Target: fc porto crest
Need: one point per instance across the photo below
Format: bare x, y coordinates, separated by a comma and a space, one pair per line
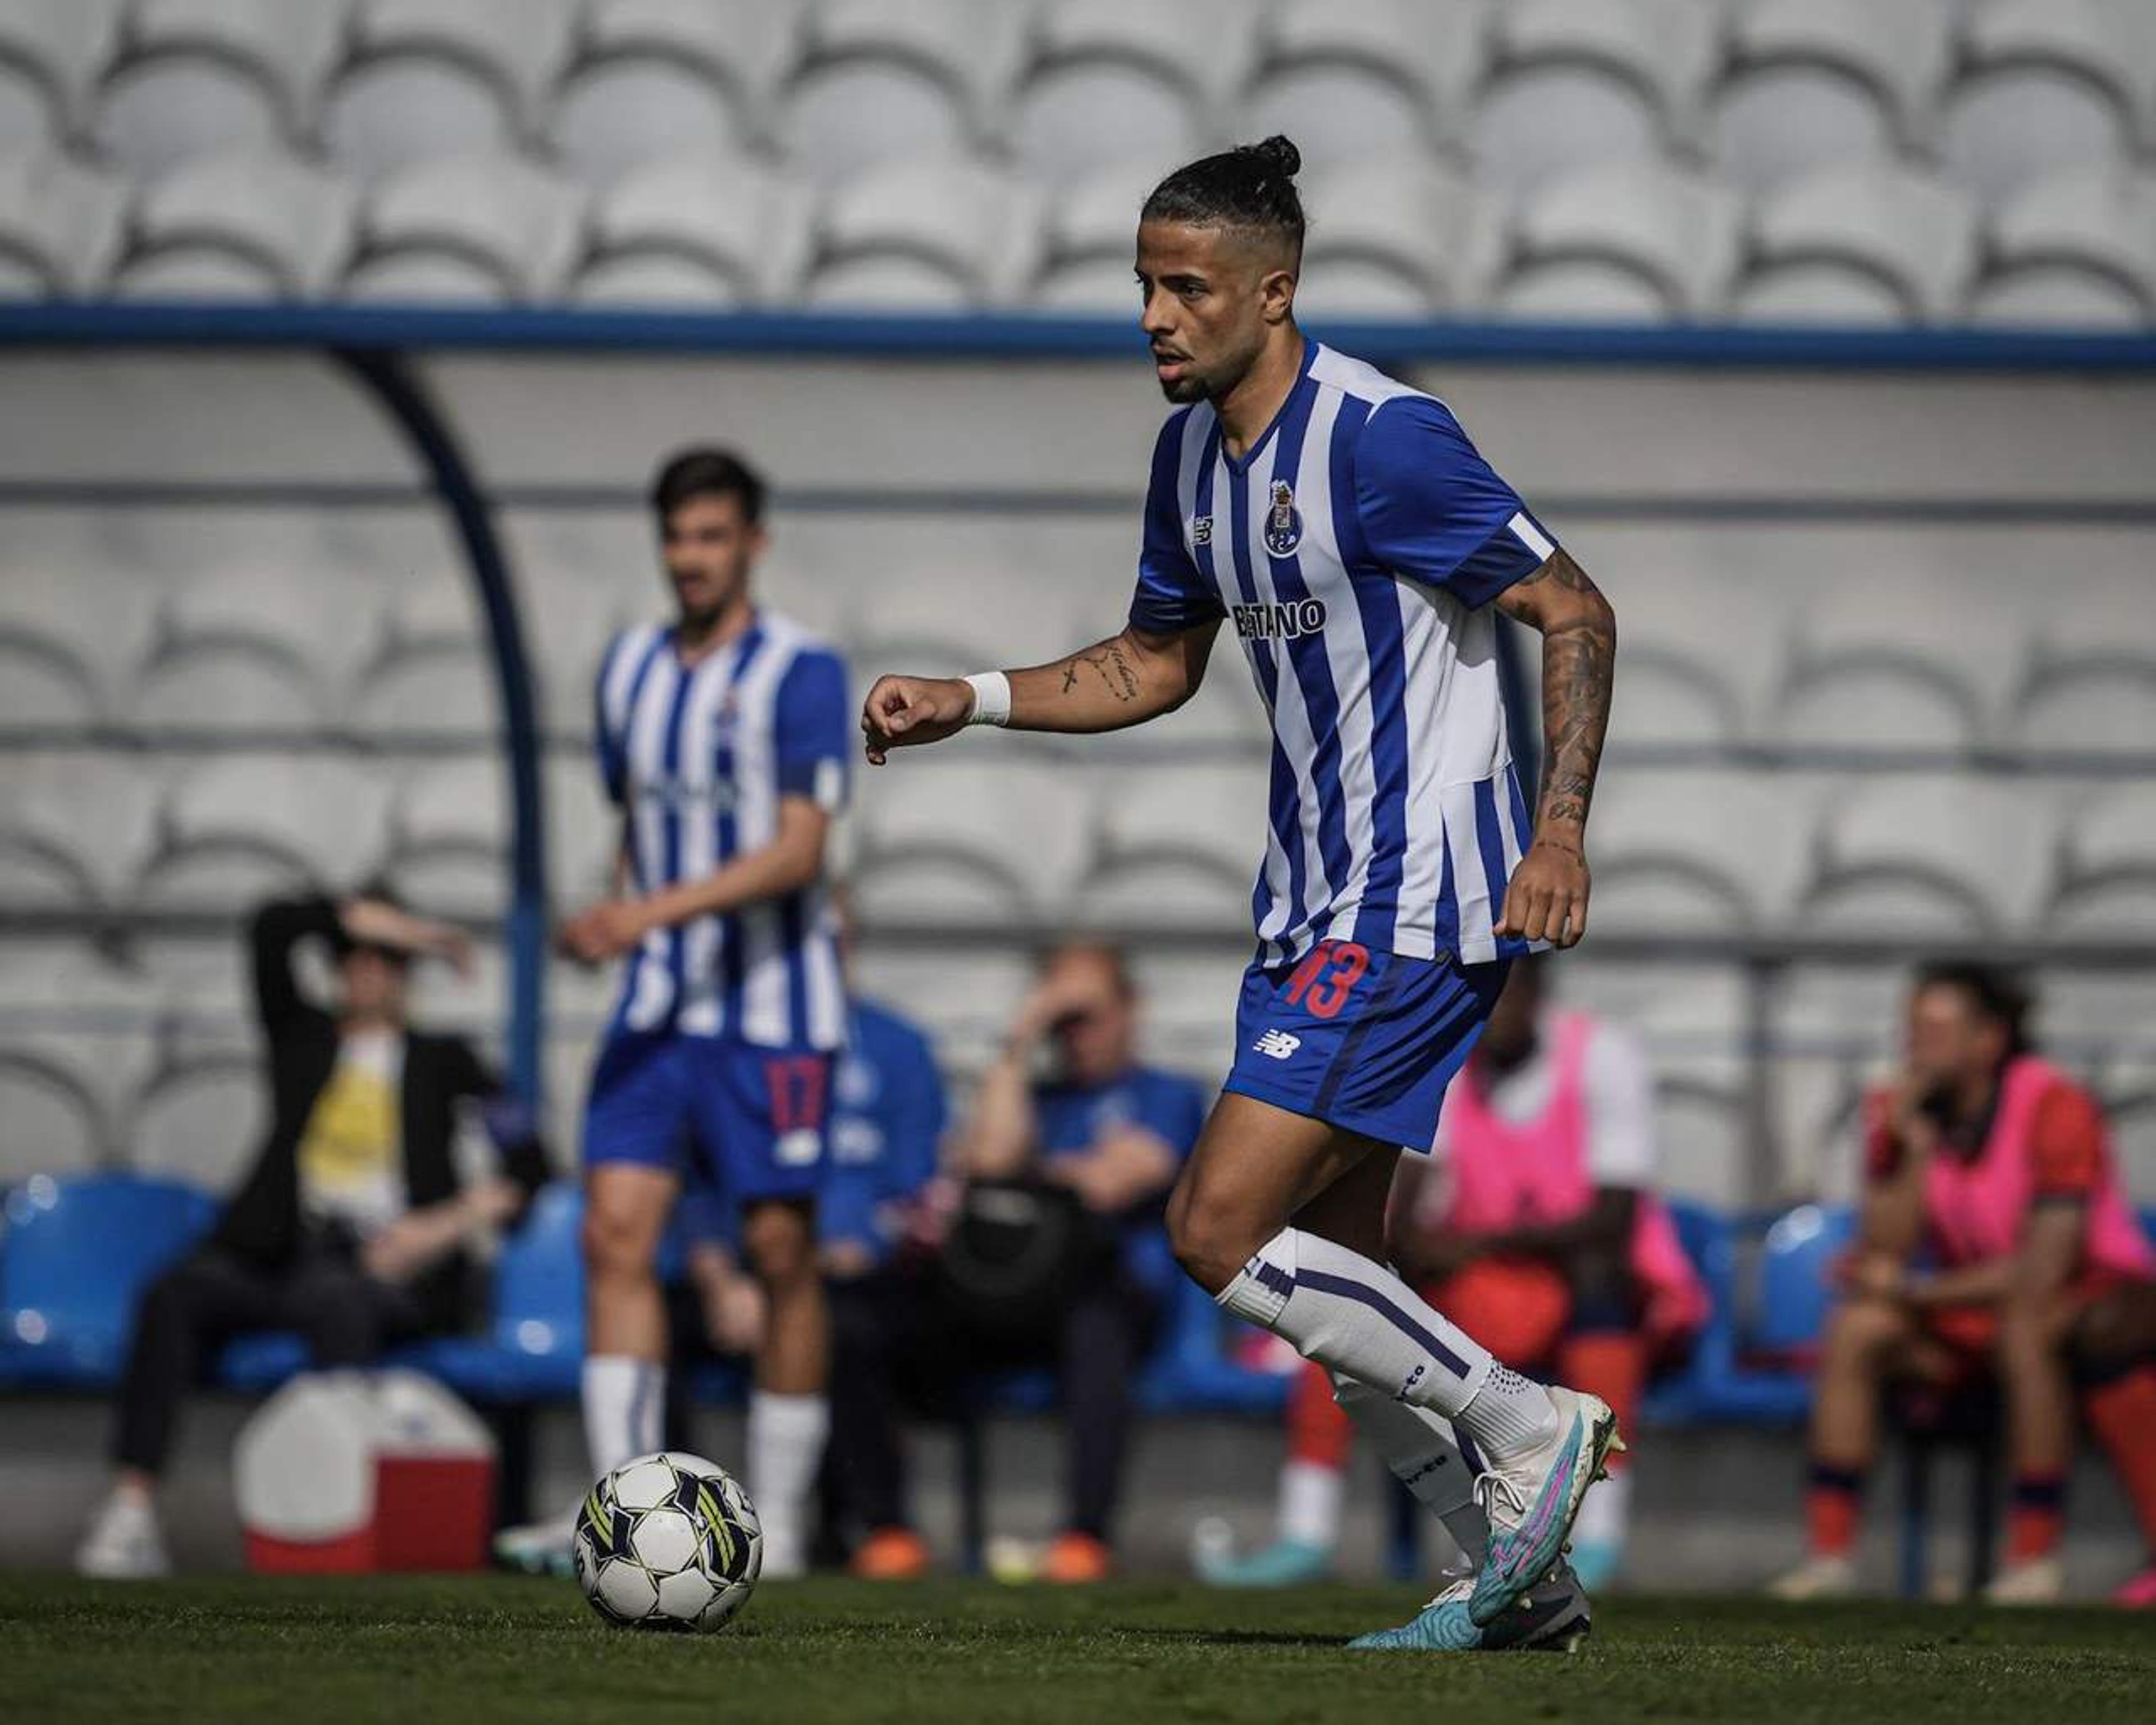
1284, 525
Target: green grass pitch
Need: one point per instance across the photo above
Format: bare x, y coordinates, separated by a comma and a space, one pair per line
477, 1650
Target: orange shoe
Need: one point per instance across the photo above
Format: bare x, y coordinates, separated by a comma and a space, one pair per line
892, 1554
1075, 1559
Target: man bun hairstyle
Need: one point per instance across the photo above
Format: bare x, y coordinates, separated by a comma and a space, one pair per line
707, 472
1251, 186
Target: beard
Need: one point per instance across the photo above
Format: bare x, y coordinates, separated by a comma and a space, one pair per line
1185, 390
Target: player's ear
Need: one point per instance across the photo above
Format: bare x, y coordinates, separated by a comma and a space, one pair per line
1276, 296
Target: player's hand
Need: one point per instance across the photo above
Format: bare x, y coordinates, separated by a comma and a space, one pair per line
605, 931
1548, 898
903, 712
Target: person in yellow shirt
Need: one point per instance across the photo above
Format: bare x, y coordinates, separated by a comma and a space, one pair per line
351, 1228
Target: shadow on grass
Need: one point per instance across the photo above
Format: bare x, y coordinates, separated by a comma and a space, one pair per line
1232, 1638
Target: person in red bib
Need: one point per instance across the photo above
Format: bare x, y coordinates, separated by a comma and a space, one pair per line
1995, 1238
1535, 1219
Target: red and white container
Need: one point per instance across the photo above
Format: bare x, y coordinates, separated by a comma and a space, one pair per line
347, 1472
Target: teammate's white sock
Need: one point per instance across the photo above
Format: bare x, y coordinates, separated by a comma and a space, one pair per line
1341, 1310
1310, 1503
786, 1435
1419, 1447
624, 1407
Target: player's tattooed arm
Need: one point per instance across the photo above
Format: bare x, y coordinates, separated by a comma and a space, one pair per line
1548, 898
1124, 680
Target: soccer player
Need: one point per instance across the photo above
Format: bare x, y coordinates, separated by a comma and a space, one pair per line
1360, 545
722, 738
1988, 1161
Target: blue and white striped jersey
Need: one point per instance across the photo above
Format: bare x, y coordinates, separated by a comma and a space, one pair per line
1356, 549
697, 760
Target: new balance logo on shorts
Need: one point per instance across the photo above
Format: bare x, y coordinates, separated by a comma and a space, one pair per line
1278, 1043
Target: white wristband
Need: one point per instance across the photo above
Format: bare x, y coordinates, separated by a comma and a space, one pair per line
992, 698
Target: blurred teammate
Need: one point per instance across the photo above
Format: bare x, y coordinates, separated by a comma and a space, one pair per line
1536, 1226
721, 739
1345, 523
1994, 1237
353, 1224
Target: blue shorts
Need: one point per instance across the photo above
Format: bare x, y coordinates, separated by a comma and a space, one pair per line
1364, 1040
749, 1121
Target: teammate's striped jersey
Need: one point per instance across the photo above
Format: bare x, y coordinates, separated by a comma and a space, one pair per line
1356, 549
697, 759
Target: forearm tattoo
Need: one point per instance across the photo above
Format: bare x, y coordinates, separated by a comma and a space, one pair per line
1579, 666
1116, 675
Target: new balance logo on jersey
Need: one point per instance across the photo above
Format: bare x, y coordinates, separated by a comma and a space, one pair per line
1278, 1043
1280, 622
1201, 529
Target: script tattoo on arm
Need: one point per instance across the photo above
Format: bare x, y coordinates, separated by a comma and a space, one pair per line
1116, 670
1579, 651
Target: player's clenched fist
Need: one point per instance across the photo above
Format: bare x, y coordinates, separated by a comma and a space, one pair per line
902, 712
1548, 897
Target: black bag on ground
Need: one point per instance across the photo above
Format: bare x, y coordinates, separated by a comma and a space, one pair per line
1016, 1253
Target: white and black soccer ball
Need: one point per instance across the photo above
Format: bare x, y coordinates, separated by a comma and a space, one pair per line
668, 1541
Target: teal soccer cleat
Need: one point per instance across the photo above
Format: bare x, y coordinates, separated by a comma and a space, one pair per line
1285, 1563
1553, 1618
1530, 1503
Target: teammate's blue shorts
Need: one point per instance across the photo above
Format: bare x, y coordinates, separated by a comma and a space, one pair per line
750, 1121
1365, 1040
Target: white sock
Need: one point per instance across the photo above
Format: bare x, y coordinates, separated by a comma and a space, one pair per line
1604, 1511
1419, 1448
624, 1407
1356, 1316
1310, 1503
786, 1435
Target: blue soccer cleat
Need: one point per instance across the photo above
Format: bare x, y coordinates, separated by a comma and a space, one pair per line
1285, 1563
1553, 1618
1531, 1502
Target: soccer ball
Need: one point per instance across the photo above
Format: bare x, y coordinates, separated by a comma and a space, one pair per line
668, 1542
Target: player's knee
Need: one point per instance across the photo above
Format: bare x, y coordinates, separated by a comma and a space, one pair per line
1210, 1244
1863, 1330
779, 1240
618, 1242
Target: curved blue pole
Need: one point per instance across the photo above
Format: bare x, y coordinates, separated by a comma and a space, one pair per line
393, 384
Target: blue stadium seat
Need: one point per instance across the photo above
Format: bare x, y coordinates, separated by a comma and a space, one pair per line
1794, 1293
76, 1255
1690, 1395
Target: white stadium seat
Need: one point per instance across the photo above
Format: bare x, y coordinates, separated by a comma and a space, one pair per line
1909, 240
491, 228
72, 636
61, 227
450, 853
241, 827
2050, 85
428, 80
51, 53
262, 217
1706, 850
1402, 226
201, 1120
1817, 82
2107, 883
1910, 856
950, 232
77, 1034
737, 226
434, 675
204, 76
246, 648
1580, 82
1678, 233
971, 840
2090, 684
583, 832
1352, 80
1091, 240
1115, 79
2100, 222
1179, 847
2055, 297
670, 78
75, 828
884, 83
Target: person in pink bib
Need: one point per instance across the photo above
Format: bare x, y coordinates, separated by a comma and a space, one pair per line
1995, 1238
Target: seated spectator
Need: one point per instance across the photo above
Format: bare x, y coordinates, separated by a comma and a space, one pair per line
351, 1227
1995, 1242
1535, 1226
888, 1115
1053, 1254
